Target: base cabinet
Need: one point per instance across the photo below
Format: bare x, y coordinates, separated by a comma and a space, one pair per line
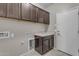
44, 44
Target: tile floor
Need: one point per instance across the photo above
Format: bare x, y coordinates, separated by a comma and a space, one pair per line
52, 52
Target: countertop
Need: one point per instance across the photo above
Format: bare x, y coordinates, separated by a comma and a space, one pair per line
44, 34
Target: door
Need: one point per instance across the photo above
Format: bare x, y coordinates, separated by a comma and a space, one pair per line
38, 44
40, 15
52, 41
13, 10
33, 13
46, 17
3, 9
26, 11
46, 44
67, 28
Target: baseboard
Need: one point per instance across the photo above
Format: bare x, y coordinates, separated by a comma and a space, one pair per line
23, 54
65, 53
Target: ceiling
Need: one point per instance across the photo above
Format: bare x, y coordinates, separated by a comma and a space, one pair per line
45, 5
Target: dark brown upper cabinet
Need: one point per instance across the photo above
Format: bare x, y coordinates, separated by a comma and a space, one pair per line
40, 16
26, 11
43, 16
3, 9
33, 13
13, 10
46, 17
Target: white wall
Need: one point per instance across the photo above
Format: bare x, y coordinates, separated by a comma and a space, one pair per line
12, 46
58, 8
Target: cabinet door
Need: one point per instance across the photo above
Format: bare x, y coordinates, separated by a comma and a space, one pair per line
46, 17
40, 16
45, 45
26, 11
38, 44
3, 9
33, 13
51, 43
13, 10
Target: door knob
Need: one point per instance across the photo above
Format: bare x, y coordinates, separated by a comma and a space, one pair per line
58, 32
78, 31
